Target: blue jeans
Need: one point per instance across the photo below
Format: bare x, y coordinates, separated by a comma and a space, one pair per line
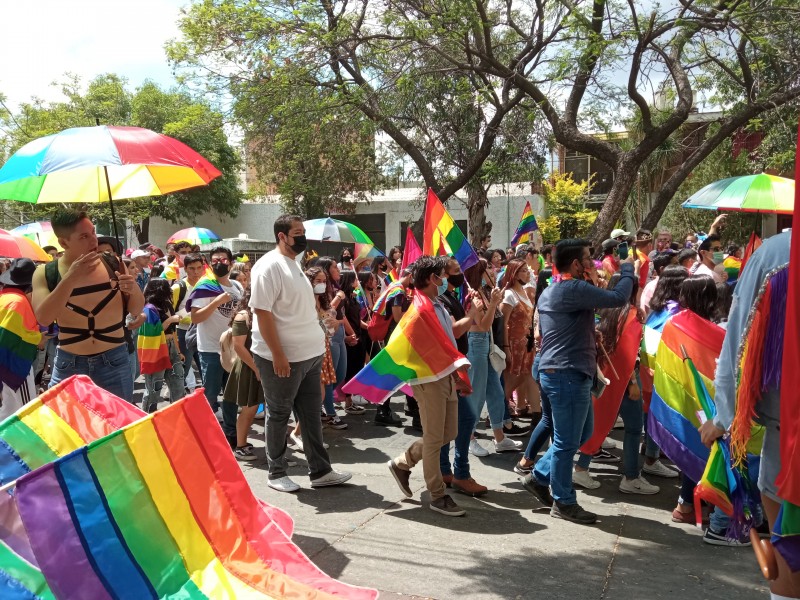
213, 379
110, 369
570, 397
486, 386
466, 424
544, 428
133, 357
339, 356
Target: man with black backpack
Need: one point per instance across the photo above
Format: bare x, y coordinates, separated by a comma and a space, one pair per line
194, 267
89, 294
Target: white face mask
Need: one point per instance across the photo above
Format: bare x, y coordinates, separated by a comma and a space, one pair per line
319, 288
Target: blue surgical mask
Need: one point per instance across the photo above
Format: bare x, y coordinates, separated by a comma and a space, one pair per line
441, 289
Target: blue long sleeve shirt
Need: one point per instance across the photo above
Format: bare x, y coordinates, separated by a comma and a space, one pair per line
566, 321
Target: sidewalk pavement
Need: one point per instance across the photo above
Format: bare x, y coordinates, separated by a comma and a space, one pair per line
367, 533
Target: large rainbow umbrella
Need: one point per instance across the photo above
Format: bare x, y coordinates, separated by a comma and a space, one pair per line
333, 230
101, 164
16, 246
195, 235
40, 232
749, 193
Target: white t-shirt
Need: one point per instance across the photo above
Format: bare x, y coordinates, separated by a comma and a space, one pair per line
512, 298
210, 330
278, 285
704, 270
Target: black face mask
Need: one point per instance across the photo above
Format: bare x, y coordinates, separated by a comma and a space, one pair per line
220, 269
456, 280
300, 243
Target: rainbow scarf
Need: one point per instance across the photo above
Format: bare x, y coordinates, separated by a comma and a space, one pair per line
418, 351
395, 289
442, 234
732, 266
526, 227
19, 338
207, 287
152, 343
172, 271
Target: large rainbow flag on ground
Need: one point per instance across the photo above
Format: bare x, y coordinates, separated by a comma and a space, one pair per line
441, 232
19, 338
160, 509
151, 345
207, 287
527, 226
418, 351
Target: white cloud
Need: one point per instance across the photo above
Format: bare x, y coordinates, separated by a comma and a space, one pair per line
43, 39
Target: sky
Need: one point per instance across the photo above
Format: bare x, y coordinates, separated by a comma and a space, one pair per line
43, 39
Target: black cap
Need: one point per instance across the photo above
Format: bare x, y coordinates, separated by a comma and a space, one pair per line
19, 274
608, 244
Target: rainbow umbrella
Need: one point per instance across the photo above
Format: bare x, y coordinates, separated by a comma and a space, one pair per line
333, 230
749, 193
16, 246
40, 232
98, 164
194, 235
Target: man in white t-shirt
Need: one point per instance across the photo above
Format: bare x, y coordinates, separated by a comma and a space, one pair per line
711, 257
288, 347
212, 317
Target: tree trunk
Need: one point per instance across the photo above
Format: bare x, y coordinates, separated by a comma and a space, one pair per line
142, 229
477, 201
614, 206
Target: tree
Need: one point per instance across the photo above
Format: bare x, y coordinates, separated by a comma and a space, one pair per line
107, 100
565, 204
365, 57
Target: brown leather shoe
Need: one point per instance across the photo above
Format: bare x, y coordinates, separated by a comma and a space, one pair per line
448, 480
470, 487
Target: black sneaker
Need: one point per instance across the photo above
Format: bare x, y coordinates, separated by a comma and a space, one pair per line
542, 492
387, 418
447, 506
522, 471
516, 431
573, 513
604, 456
402, 478
716, 538
245, 453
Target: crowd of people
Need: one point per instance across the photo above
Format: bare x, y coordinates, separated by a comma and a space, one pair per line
538, 326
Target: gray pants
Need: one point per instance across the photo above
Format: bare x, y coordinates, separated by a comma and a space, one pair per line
301, 392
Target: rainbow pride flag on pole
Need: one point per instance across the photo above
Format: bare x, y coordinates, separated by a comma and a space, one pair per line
151, 345
418, 351
160, 509
442, 233
527, 225
19, 338
207, 287
412, 250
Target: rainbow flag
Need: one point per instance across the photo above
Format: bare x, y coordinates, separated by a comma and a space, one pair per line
366, 252
152, 343
19, 338
644, 268
442, 233
393, 276
732, 266
527, 225
207, 287
394, 290
172, 271
675, 409
653, 327
418, 351
160, 509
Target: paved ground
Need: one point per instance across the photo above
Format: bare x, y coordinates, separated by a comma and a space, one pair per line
367, 533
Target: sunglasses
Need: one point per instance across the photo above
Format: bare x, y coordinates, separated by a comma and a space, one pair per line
224, 261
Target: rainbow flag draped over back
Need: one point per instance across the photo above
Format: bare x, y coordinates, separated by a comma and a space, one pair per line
19, 338
418, 351
207, 287
160, 509
395, 289
526, 227
732, 266
152, 343
674, 407
653, 327
442, 233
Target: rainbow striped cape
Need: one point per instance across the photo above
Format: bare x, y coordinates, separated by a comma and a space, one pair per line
526, 227
19, 338
418, 351
653, 327
207, 287
442, 234
152, 343
160, 509
395, 289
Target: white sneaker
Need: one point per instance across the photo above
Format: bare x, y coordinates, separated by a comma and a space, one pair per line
585, 480
476, 449
283, 484
507, 445
332, 478
608, 444
660, 469
619, 423
360, 400
637, 486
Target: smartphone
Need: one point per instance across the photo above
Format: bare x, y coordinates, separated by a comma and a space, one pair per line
622, 250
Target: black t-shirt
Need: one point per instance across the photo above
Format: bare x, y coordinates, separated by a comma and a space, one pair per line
403, 302
453, 306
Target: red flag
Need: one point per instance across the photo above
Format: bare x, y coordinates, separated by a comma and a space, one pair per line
412, 250
788, 480
752, 245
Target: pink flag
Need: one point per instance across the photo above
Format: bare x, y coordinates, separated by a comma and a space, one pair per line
412, 251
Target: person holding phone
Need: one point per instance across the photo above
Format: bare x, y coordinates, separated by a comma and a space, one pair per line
610, 261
